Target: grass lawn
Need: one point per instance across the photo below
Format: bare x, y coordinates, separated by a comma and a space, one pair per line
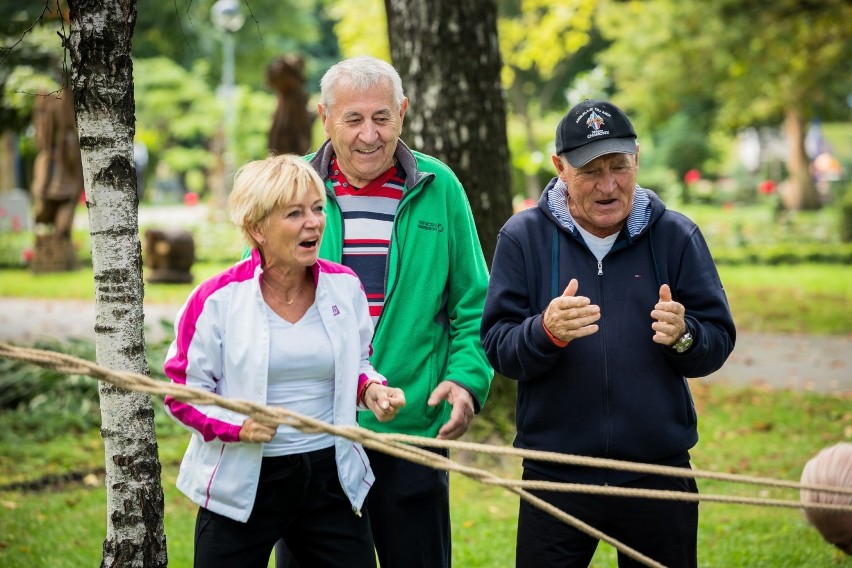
806, 298
80, 284
745, 431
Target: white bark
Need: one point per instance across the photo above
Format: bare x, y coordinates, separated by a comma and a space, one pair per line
102, 82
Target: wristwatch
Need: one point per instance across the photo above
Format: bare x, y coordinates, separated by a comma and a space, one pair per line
684, 343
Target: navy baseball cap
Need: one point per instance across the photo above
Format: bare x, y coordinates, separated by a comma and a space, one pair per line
594, 128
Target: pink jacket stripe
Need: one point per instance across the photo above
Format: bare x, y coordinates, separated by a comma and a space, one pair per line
175, 367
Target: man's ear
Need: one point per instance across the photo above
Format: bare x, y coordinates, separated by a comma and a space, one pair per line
402, 108
558, 164
323, 114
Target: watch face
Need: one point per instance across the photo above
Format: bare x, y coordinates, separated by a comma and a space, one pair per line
684, 343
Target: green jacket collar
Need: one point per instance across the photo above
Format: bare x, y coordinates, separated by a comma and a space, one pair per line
321, 160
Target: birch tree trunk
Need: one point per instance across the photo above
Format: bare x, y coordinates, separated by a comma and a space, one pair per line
102, 84
449, 59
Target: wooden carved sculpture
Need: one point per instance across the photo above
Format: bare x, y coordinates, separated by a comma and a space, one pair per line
58, 169
291, 124
169, 254
57, 181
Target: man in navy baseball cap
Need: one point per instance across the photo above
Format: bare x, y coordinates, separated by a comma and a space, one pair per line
601, 302
594, 128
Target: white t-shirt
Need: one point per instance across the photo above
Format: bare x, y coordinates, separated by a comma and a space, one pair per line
599, 246
301, 379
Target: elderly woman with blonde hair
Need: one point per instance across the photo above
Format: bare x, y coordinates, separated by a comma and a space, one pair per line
831, 466
285, 329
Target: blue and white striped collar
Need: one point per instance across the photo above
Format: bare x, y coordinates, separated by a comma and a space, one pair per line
640, 213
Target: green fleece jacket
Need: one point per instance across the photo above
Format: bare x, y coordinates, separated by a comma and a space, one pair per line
435, 287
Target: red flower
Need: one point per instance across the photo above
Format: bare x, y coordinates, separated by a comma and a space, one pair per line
766, 187
692, 176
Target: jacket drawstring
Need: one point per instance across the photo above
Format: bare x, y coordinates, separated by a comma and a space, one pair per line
554, 264
657, 278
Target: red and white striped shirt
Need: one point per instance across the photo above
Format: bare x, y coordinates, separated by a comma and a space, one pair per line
368, 213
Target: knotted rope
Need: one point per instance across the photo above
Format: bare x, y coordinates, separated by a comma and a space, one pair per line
400, 445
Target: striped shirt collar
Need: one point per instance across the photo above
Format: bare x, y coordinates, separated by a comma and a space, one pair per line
393, 177
640, 213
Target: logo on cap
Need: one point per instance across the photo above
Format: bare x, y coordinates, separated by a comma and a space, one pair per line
594, 121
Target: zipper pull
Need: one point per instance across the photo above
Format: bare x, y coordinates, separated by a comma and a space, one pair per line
600, 268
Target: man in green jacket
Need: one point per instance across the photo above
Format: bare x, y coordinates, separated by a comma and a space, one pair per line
401, 221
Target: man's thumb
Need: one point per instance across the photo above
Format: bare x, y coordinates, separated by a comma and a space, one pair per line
665, 293
571, 288
439, 394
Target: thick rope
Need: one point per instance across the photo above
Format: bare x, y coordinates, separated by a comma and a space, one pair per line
570, 459
274, 416
400, 446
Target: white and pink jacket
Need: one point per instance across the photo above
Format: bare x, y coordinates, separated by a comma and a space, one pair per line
222, 346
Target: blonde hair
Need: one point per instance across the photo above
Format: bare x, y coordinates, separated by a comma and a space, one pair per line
831, 466
262, 186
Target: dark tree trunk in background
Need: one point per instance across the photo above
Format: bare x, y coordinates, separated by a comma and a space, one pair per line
449, 59
798, 192
102, 81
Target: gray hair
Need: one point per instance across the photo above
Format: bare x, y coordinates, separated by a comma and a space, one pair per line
362, 73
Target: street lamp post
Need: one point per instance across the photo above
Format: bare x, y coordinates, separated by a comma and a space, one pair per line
228, 19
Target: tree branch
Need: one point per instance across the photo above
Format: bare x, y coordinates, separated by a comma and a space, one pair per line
29, 29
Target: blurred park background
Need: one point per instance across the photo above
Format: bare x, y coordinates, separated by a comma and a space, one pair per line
744, 115
738, 106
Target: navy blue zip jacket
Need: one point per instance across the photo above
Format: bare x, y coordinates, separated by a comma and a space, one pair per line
614, 394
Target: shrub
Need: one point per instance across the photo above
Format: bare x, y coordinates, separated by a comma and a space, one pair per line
50, 402
846, 216
784, 253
